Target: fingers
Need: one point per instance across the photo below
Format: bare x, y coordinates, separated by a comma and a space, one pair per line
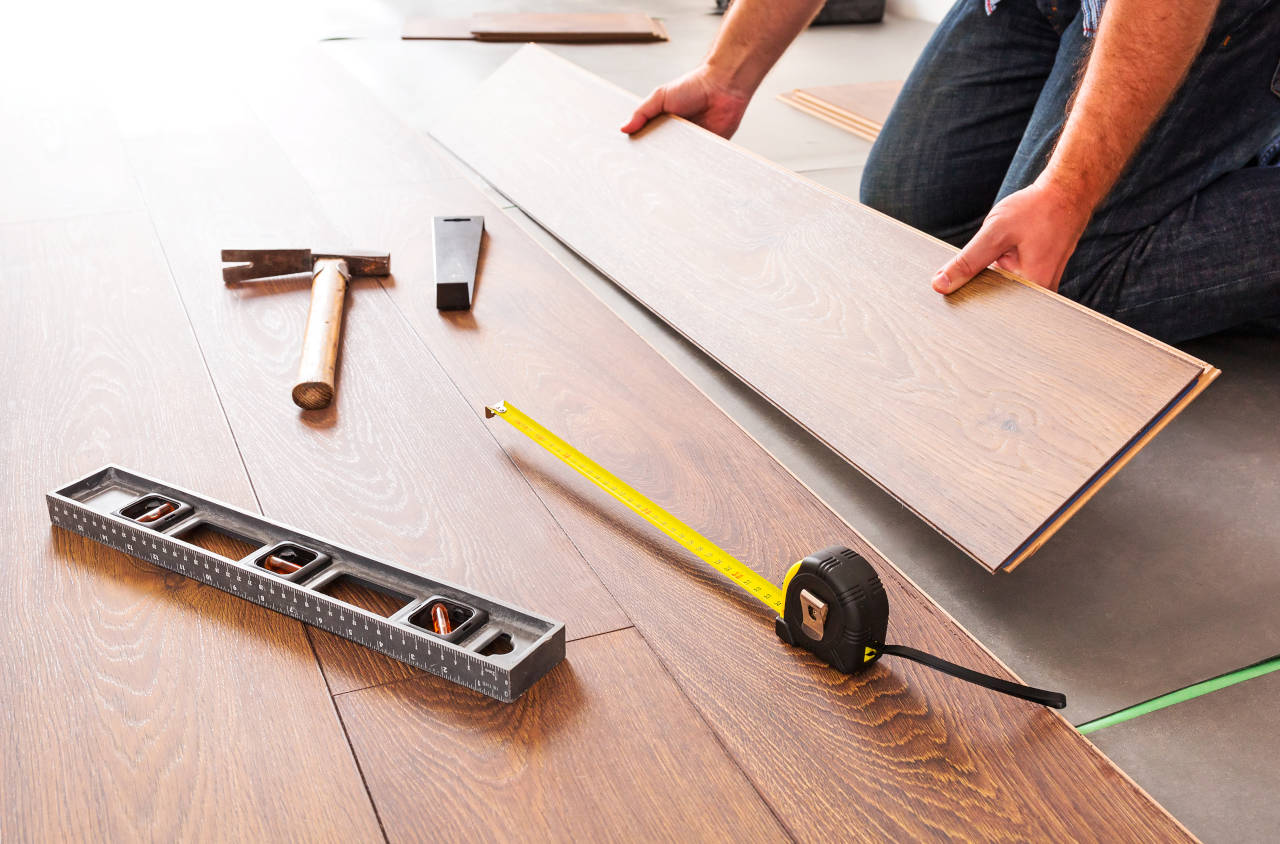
652, 106
978, 254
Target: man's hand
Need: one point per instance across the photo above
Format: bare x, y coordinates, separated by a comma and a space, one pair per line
696, 96
1140, 57
1031, 233
753, 36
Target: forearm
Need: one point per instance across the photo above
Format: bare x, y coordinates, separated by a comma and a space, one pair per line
1140, 56
754, 35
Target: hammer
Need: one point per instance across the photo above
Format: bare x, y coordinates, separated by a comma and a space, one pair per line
330, 272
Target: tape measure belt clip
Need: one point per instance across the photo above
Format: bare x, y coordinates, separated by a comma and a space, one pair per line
853, 607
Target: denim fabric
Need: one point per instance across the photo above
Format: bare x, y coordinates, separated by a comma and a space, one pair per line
1188, 240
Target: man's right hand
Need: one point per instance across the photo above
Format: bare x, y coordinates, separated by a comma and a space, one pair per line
697, 96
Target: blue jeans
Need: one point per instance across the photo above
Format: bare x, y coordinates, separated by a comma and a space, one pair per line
1188, 241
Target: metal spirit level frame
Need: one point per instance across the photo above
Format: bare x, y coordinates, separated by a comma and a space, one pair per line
494, 648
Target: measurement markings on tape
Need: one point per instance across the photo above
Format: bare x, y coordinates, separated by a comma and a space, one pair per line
831, 602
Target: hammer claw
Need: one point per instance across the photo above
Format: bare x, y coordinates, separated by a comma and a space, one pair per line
269, 263
264, 263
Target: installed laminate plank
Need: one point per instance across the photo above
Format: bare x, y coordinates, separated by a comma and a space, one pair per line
603, 748
291, 87
899, 753
398, 466
137, 704
401, 465
992, 413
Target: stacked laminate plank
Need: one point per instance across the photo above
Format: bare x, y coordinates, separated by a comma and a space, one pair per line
531, 26
993, 414
860, 108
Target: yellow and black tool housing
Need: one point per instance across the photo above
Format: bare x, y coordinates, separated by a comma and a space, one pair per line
836, 608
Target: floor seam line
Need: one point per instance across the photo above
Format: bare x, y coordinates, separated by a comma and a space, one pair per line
173, 280
346, 735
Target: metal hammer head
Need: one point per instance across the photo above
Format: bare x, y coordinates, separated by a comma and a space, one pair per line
249, 264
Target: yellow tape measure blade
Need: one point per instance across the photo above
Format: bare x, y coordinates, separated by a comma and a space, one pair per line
703, 548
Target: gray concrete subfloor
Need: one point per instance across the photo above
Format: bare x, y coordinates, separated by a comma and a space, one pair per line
1167, 577
1211, 760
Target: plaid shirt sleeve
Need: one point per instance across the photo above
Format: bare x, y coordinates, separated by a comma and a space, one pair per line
1092, 10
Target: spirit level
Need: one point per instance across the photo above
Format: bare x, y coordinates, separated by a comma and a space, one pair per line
460, 635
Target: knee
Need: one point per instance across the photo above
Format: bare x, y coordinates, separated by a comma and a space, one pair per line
893, 183
878, 188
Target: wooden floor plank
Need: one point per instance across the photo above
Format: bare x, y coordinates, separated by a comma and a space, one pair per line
403, 466
398, 465
603, 748
137, 704
900, 753
989, 413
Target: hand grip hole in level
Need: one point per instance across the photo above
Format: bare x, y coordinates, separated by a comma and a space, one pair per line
498, 645
222, 542
366, 595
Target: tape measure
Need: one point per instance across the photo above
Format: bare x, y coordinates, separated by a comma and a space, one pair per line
831, 603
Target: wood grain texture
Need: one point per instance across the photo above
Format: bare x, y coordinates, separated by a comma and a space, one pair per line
900, 753
137, 704
319, 359
604, 748
985, 412
398, 465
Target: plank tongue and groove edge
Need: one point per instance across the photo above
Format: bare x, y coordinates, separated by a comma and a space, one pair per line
993, 414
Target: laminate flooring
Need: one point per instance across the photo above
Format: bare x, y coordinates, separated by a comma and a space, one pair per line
127, 304
993, 414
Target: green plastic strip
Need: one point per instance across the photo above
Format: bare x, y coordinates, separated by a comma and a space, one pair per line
1194, 691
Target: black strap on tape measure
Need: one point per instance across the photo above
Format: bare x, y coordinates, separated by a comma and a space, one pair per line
837, 609
1056, 700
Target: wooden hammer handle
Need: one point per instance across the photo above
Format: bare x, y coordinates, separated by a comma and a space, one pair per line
314, 389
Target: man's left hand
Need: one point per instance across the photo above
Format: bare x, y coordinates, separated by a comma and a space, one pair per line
1031, 233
